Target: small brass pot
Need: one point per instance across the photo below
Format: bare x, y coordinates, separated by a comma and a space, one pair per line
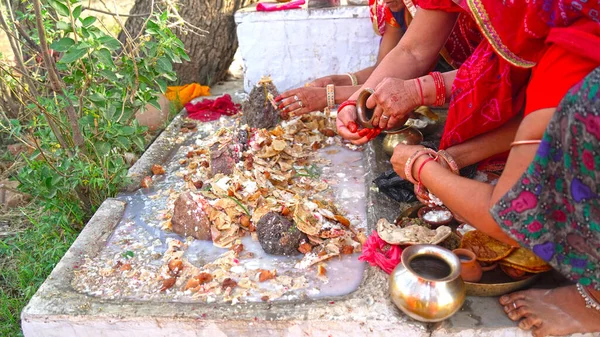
427, 285
406, 136
365, 115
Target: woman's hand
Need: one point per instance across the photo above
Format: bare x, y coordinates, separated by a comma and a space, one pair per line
348, 128
401, 154
393, 100
301, 101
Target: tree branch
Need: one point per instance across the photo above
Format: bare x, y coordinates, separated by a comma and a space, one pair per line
57, 85
117, 14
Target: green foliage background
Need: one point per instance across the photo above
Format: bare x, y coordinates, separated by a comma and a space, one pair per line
103, 82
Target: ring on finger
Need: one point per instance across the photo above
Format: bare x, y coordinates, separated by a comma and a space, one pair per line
301, 104
385, 117
296, 98
293, 113
515, 305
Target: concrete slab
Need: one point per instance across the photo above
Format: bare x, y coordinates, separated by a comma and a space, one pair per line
57, 309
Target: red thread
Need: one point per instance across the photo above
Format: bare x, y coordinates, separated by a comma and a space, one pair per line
421, 91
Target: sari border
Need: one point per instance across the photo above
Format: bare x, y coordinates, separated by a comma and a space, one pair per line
483, 21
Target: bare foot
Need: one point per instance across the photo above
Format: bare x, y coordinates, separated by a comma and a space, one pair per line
555, 312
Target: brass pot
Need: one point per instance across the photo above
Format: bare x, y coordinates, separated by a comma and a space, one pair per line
406, 136
427, 285
365, 115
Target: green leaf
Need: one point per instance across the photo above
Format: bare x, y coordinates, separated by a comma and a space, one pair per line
60, 8
128, 254
109, 75
88, 21
97, 98
63, 44
162, 84
103, 148
64, 26
73, 54
164, 64
77, 12
105, 56
154, 103
127, 131
110, 42
110, 112
139, 142
183, 54
123, 142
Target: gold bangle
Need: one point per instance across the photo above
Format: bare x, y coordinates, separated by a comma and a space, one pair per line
330, 95
450, 161
353, 79
525, 142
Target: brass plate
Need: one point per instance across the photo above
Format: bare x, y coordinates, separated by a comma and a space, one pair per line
493, 282
496, 283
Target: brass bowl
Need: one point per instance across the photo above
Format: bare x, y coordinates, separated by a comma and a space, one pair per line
427, 285
365, 115
406, 136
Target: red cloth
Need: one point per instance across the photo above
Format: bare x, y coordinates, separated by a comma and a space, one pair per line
380, 15
270, 7
564, 64
490, 86
379, 253
209, 110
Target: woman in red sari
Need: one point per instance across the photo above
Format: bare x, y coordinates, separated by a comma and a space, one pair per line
390, 19
547, 196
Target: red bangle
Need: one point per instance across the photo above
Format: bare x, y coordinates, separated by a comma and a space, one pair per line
421, 169
411, 161
420, 91
423, 165
346, 103
440, 88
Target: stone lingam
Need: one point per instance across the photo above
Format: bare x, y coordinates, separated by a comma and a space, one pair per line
260, 111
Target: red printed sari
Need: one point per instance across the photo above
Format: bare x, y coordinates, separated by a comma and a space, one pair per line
489, 88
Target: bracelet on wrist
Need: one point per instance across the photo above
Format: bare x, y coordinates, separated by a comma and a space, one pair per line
330, 95
450, 161
411, 161
353, 79
440, 88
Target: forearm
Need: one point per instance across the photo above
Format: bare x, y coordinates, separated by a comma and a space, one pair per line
343, 93
485, 145
469, 198
363, 75
411, 57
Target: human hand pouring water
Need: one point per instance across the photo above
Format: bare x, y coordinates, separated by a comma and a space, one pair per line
364, 119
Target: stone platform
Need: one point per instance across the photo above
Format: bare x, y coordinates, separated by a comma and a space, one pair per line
58, 310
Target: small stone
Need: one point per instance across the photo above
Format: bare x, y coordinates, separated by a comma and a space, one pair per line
146, 182
189, 218
278, 235
158, 170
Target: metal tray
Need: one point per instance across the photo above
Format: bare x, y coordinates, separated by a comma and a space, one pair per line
494, 282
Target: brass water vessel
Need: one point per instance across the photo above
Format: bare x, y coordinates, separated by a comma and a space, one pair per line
406, 135
427, 285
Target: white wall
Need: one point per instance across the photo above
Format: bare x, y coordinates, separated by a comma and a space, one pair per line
295, 46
